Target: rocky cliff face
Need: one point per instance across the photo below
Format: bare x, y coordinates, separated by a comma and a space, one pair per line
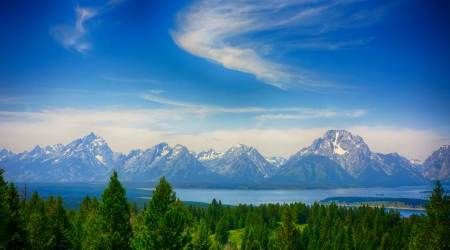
240, 164
349, 151
437, 166
354, 156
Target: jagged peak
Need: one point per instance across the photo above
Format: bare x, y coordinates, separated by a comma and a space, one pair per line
179, 147
333, 132
93, 138
162, 145
241, 146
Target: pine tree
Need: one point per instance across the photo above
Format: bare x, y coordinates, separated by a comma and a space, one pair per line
287, 236
349, 243
16, 225
115, 214
165, 221
385, 242
4, 211
222, 233
201, 240
432, 232
58, 225
38, 236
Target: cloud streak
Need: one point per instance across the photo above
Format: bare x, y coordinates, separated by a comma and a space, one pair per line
74, 37
125, 130
262, 114
247, 35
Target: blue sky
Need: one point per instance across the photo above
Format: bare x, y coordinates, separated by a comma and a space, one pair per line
274, 75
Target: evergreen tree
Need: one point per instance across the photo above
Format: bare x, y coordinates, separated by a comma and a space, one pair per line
201, 240
432, 231
38, 236
16, 232
287, 236
385, 242
115, 215
58, 225
349, 243
165, 221
4, 211
222, 233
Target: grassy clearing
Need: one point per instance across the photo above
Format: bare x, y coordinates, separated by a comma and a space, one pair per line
236, 236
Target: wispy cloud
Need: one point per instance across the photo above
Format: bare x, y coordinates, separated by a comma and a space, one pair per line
357, 113
130, 80
261, 114
247, 35
74, 37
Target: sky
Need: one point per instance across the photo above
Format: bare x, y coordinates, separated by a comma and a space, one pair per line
274, 75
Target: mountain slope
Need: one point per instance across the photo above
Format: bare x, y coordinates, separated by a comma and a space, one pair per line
312, 169
81, 160
176, 164
437, 166
354, 156
240, 164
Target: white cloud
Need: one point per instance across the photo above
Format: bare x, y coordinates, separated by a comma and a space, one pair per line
140, 129
410, 143
242, 34
357, 113
262, 114
74, 36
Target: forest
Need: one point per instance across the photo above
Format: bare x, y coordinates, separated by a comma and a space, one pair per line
165, 222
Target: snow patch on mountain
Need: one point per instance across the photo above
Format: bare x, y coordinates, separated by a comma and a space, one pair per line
337, 147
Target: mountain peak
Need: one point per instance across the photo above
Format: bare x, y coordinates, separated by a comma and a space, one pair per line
240, 147
342, 147
437, 166
93, 138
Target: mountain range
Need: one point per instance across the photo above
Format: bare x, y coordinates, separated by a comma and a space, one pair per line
337, 158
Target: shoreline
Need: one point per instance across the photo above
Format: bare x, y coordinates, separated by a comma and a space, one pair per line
390, 207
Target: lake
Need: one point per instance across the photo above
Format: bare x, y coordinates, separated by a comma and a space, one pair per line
74, 193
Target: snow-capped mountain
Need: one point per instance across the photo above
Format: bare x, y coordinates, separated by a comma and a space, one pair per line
176, 164
312, 168
437, 166
84, 159
5, 154
276, 161
417, 164
240, 164
354, 156
397, 168
208, 157
350, 152
337, 158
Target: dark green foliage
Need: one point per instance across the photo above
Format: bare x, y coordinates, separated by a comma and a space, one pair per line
36, 214
287, 236
115, 214
4, 212
432, 231
165, 221
201, 240
222, 233
58, 225
16, 223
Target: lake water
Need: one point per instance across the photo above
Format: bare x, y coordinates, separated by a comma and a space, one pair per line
74, 193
